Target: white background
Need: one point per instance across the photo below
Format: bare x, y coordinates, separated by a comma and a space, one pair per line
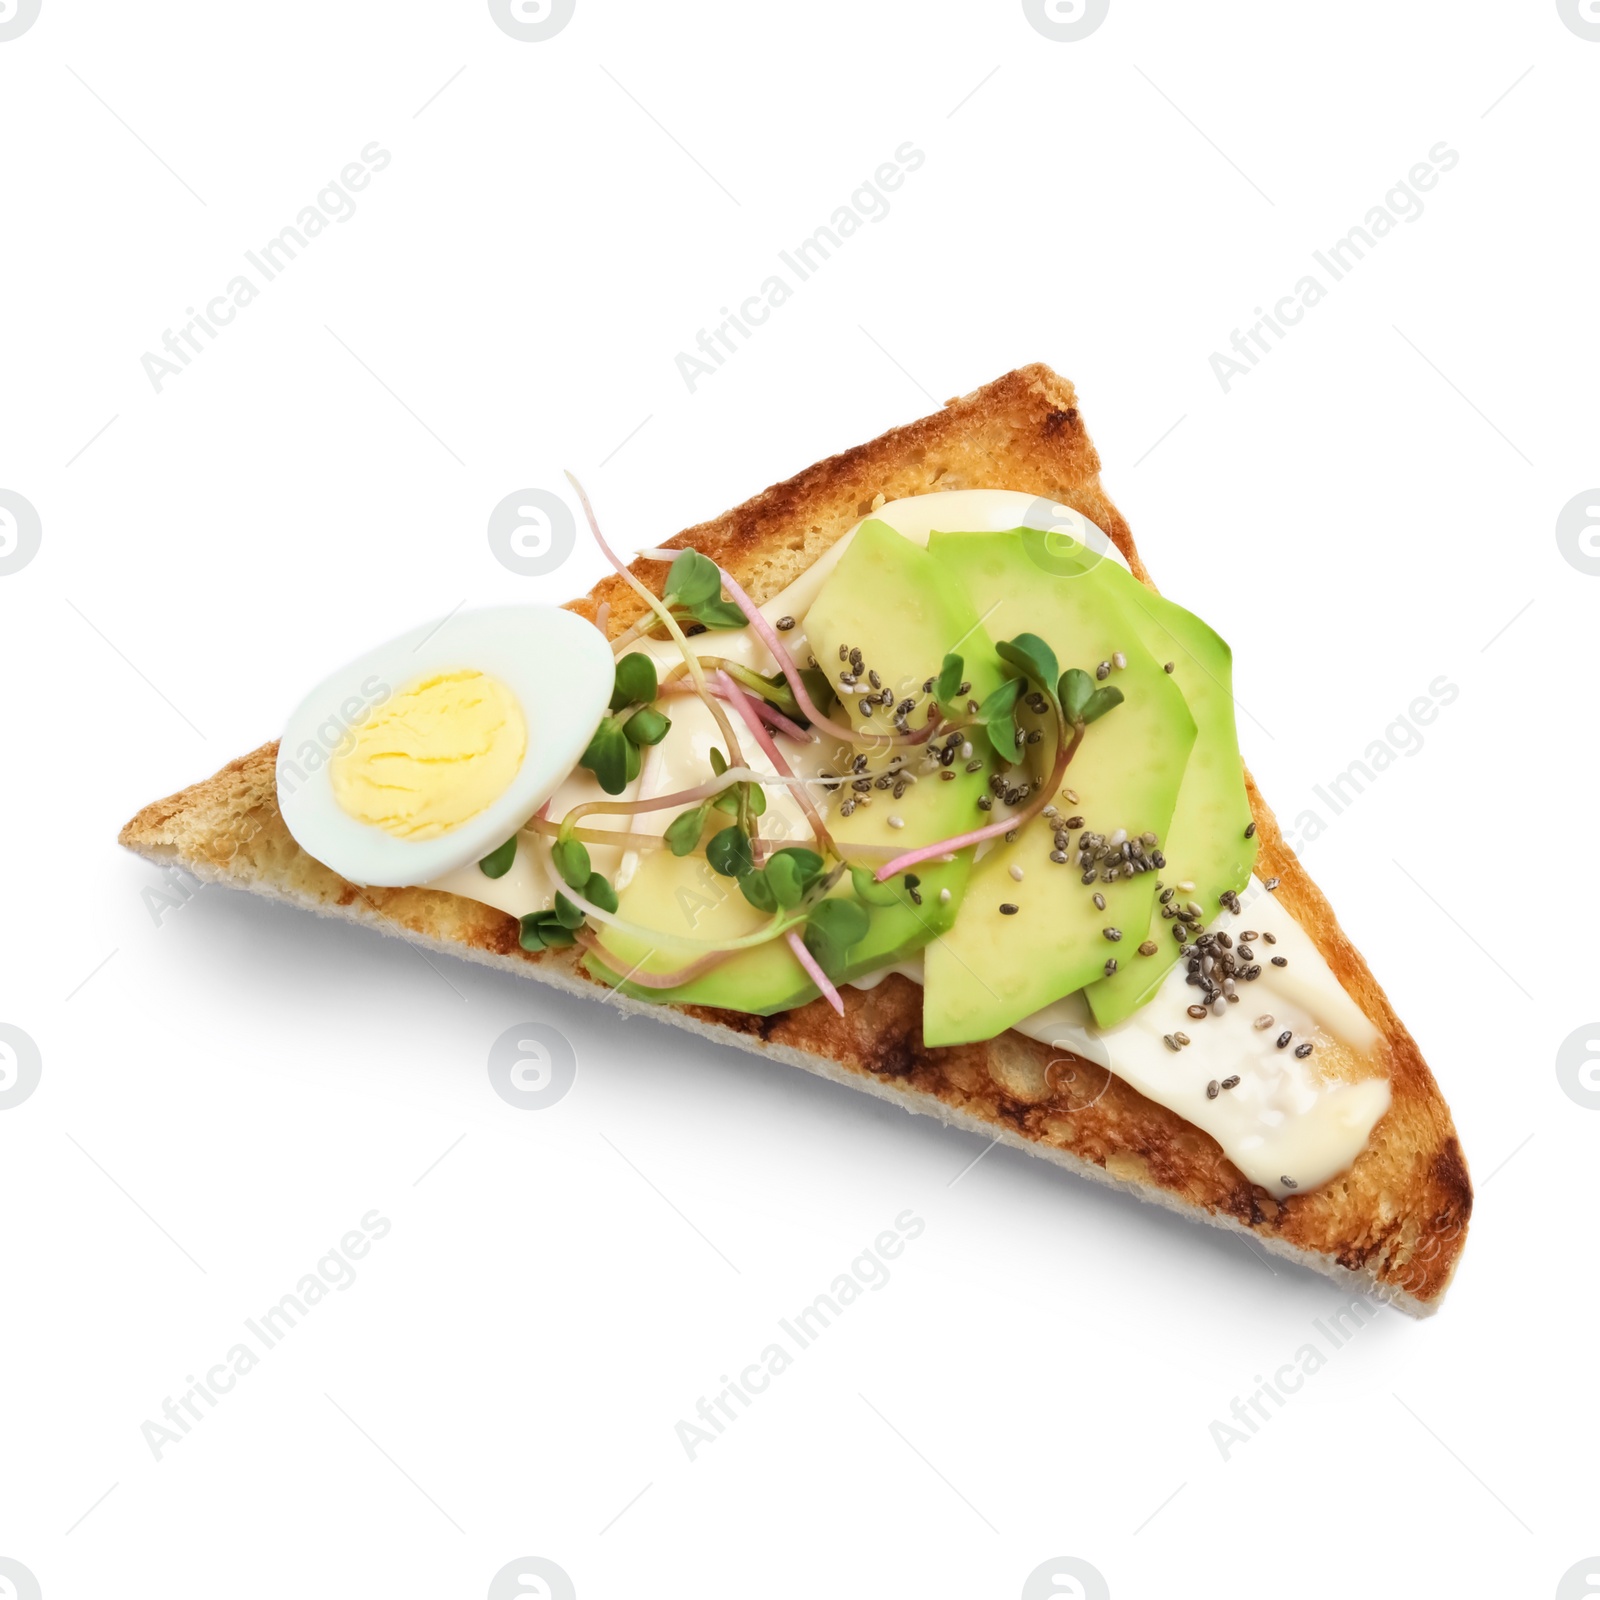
227, 1092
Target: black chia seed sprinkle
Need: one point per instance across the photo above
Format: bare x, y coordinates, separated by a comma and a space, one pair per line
1113, 934
785, 624
1197, 1012
1230, 1083
1169, 666
1288, 1183
1250, 831
1211, 1089
1280, 961
1007, 909
1284, 1038
1111, 966
1303, 1050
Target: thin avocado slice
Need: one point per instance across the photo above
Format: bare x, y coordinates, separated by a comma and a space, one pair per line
1206, 844
996, 967
890, 600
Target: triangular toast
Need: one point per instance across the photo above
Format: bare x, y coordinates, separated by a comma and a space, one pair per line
1394, 1224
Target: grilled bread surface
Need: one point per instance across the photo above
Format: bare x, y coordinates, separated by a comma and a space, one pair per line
1393, 1224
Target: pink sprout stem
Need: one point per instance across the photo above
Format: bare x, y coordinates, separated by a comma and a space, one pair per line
814, 972
769, 637
752, 712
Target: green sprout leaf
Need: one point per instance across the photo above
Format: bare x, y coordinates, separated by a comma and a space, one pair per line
636, 682
646, 726
498, 862
998, 716
631, 759
718, 614
692, 579
1030, 654
607, 756
949, 682
1100, 702
597, 891
541, 930
868, 889
719, 762
571, 861
819, 688
694, 585
1074, 692
683, 832
757, 889
567, 914
832, 928
729, 852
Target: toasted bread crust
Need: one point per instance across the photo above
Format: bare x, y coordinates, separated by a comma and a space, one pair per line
1395, 1223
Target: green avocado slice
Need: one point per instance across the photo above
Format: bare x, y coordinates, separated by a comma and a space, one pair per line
996, 967
890, 600
1206, 844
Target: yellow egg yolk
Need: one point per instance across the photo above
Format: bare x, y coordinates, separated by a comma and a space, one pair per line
432, 756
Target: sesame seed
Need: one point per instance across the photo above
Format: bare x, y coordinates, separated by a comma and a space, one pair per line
966, 749
1070, 795
1265, 1021
897, 822
1218, 1006
1211, 1089
1187, 886
1303, 1050
1007, 909
1016, 872
1118, 659
944, 897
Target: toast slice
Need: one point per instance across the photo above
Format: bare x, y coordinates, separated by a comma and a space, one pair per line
1393, 1225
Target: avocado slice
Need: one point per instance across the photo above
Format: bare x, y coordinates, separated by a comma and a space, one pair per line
1205, 844
889, 599
994, 968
